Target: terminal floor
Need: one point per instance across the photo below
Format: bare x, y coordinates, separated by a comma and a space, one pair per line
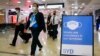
50, 47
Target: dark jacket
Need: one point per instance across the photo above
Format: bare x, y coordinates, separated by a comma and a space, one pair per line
48, 19
98, 20
40, 21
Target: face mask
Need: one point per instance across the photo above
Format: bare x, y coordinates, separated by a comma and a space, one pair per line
16, 11
34, 9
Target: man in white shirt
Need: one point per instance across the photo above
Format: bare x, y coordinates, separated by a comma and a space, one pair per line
19, 25
55, 21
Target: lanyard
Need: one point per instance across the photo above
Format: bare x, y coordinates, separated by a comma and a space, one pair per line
32, 17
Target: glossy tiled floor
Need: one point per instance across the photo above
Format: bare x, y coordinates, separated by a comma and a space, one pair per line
96, 43
51, 47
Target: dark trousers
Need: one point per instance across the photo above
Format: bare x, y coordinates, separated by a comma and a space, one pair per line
55, 32
97, 26
35, 41
18, 29
49, 28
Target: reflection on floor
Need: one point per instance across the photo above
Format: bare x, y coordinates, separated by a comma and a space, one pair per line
51, 47
96, 43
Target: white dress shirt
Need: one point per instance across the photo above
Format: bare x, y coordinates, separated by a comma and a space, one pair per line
21, 18
56, 20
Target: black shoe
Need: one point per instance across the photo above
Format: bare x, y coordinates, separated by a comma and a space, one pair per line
54, 38
12, 45
27, 40
40, 48
32, 55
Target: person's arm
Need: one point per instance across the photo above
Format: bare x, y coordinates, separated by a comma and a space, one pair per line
22, 18
58, 19
43, 22
50, 21
28, 22
27, 25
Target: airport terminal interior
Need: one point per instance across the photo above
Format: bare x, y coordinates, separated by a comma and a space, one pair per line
51, 47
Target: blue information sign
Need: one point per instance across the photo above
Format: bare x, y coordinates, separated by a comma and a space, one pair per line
77, 32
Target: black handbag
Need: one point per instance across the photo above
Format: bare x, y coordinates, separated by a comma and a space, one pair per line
25, 36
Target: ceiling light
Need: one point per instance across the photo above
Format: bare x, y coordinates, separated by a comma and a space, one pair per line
81, 7
76, 7
73, 4
18, 2
83, 4
54, 6
29, 1
7, 3
44, 0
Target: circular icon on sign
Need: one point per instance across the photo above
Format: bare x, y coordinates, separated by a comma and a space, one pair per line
72, 25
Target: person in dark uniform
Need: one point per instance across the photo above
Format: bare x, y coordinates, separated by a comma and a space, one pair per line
55, 19
36, 24
19, 26
49, 26
97, 23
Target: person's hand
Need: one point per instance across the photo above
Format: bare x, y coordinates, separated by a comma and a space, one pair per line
25, 30
22, 21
